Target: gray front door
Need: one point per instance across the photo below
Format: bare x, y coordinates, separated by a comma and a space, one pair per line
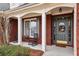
63, 29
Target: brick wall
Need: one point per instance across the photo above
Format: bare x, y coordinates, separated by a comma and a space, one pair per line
78, 29
48, 29
40, 30
14, 30
1, 39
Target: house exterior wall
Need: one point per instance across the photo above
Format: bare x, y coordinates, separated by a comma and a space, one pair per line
77, 29
40, 9
1, 38
48, 30
14, 30
40, 30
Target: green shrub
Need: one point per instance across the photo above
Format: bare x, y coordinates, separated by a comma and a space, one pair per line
11, 50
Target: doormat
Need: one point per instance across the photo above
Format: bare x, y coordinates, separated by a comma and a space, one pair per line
61, 43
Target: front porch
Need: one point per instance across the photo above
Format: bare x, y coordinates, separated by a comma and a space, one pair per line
41, 23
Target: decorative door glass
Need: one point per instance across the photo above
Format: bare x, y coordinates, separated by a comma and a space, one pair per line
63, 28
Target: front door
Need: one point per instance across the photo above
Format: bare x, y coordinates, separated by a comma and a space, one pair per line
63, 29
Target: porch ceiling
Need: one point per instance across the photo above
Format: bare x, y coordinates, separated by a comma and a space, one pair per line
56, 11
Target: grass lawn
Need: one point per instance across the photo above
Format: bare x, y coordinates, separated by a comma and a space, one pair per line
11, 50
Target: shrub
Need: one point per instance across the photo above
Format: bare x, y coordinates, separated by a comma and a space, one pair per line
11, 50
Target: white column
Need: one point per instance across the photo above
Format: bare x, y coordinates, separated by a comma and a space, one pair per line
19, 30
75, 26
43, 32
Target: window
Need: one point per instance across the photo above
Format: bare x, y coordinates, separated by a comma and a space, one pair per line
31, 27
27, 28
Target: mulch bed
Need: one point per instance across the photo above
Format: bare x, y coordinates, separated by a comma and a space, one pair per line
36, 52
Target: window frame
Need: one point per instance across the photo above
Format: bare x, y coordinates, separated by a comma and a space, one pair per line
30, 20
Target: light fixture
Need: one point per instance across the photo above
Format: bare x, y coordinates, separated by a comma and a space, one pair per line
60, 9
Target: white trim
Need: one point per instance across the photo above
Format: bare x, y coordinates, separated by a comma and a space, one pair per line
12, 16
21, 9
75, 30
19, 30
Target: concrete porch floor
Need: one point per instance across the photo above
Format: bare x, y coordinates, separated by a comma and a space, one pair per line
58, 51
25, 44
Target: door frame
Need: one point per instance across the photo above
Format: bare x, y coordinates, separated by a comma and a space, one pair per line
68, 14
